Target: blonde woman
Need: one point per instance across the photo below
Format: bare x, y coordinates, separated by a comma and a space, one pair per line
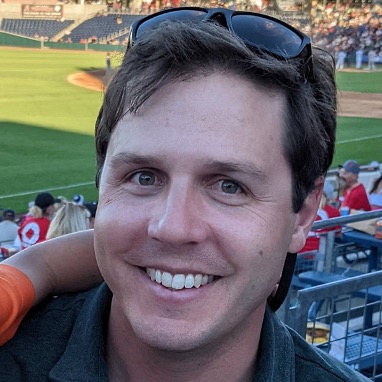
34, 227
71, 217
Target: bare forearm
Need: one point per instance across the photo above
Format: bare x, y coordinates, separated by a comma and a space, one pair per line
64, 264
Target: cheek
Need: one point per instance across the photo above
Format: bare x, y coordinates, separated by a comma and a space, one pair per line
266, 246
260, 251
109, 232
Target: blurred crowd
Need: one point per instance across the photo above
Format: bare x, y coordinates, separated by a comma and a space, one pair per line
351, 34
48, 217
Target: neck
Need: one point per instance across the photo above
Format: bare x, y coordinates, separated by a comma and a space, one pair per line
229, 360
352, 184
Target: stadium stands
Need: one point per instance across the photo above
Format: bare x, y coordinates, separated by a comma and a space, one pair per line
338, 28
100, 27
34, 28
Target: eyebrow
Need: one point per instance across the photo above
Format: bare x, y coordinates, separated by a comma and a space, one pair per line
123, 159
248, 169
245, 168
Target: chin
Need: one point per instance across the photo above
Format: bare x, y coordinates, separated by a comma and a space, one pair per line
170, 338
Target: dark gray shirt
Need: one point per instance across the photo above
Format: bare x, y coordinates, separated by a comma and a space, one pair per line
62, 340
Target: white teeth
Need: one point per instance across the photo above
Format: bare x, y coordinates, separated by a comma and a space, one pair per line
198, 280
158, 277
166, 279
178, 281
151, 273
189, 283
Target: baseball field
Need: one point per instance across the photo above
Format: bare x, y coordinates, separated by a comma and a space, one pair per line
49, 101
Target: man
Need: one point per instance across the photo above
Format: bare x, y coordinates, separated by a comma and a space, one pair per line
355, 195
204, 181
8, 227
108, 64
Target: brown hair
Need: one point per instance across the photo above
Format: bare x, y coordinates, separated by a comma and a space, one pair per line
179, 51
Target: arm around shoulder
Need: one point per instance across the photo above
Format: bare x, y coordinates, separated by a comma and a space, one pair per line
63, 264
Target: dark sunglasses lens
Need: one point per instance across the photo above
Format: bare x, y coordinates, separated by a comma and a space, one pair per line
267, 34
173, 15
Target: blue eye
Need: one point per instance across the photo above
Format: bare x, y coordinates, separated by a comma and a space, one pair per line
146, 178
230, 187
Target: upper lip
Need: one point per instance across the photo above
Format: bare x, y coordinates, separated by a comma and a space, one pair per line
183, 271
182, 264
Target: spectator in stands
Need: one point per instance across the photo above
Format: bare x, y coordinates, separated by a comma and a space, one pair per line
188, 194
354, 196
8, 227
92, 207
35, 225
326, 210
71, 217
375, 193
79, 199
347, 28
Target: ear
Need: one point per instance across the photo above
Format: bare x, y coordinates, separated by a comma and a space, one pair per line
306, 216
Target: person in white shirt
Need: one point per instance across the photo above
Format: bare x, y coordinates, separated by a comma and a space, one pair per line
8, 227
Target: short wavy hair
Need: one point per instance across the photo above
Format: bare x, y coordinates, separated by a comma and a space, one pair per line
179, 51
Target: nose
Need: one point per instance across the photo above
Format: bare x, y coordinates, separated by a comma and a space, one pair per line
179, 217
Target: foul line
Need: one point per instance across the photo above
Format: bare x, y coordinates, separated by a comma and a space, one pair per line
46, 189
359, 139
92, 183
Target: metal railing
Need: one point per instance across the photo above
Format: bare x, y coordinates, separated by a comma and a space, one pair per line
348, 311
349, 315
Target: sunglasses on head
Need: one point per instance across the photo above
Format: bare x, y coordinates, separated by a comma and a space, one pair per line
258, 31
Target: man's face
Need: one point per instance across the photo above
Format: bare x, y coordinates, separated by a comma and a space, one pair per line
348, 178
195, 189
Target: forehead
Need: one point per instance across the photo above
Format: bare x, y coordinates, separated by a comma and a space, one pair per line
214, 117
344, 172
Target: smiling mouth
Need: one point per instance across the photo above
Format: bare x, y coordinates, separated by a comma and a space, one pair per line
179, 281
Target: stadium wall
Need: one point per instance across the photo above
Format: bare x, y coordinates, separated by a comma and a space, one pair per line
70, 11
8, 39
45, 2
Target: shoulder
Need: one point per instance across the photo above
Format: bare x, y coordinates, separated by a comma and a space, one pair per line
42, 335
7, 223
313, 364
284, 356
51, 319
360, 188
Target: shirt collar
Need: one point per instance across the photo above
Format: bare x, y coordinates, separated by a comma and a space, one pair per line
84, 356
276, 354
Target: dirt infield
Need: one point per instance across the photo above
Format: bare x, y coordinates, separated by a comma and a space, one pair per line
351, 104
93, 80
367, 105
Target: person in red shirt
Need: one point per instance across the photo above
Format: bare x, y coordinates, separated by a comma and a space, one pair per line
34, 227
325, 211
355, 195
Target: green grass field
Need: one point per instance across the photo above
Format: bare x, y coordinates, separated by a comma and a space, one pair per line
47, 125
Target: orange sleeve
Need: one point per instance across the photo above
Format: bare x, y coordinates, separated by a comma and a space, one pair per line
16, 298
